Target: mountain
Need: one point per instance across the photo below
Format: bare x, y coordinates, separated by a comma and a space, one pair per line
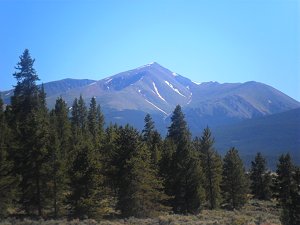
271, 135
153, 89
54, 88
137, 89
217, 104
156, 90
235, 111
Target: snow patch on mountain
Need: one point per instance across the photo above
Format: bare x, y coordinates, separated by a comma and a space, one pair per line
156, 107
174, 89
190, 99
175, 74
109, 80
155, 88
149, 64
92, 83
198, 83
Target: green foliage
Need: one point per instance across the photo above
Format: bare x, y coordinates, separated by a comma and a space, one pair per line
284, 172
7, 181
62, 126
109, 153
288, 187
95, 122
260, 178
52, 165
31, 137
166, 168
184, 176
178, 128
153, 140
212, 167
85, 182
60, 138
85, 179
140, 190
234, 183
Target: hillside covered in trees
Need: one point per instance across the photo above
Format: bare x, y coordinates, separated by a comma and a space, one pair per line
65, 163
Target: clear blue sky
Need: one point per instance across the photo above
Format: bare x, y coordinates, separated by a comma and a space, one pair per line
224, 41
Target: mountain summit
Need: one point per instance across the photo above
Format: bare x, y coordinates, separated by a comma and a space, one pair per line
234, 111
152, 88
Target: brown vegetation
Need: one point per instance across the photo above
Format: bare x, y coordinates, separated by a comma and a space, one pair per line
253, 213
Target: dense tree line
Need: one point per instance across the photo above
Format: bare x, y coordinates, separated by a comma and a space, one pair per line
66, 163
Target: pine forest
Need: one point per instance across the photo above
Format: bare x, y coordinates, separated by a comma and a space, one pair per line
66, 163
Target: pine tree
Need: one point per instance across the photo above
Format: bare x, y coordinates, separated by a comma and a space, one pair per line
109, 151
178, 128
288, 182
95, 122
7, 181
85, 179
234, 183
148, 128
186, 173
60, 138
31, 125
152, 139
284, 172
166, 168
295, 196
140, 191
41, 152
85, 183
260, 178
79, 117
212, 168
62, 126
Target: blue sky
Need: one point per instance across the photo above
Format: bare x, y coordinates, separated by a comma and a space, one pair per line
204, 40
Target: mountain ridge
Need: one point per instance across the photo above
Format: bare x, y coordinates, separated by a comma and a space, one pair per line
228, 109
154, 89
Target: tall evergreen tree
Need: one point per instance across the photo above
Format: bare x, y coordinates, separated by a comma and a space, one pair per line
109, 151
140, 191
152, 139
31, 125
60, 138
260, 178
85, 179
79, 117
41, 152
166, 168
212, 167
148, 128
234, 183
285, 169
95, 122
288, 183
186, 173
295, 196
7, 181
62, 126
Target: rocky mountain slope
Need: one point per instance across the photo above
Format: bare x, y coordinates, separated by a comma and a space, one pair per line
231, 109
271, 135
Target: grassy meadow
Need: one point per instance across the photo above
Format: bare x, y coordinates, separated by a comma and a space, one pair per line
253, 213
